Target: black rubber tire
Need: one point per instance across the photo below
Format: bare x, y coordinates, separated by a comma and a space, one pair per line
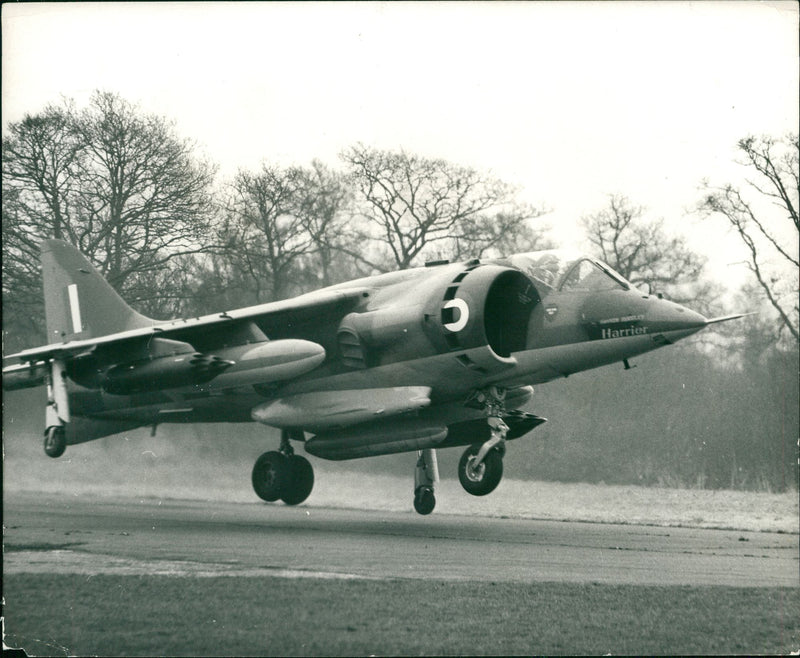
55, 442
489, 475
270, 475
299, 481
424, 500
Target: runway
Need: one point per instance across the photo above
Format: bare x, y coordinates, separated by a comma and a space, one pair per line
92, 535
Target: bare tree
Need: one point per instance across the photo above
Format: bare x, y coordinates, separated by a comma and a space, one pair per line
644, 252
40, 168
39, 162
265, 230
144, 198
279, 232
500, 234
412, 204
324, 208
764, 216
115, 182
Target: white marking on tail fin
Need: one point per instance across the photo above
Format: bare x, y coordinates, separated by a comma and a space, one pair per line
75, 308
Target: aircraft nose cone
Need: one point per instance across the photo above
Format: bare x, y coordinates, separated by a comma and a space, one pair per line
673, 320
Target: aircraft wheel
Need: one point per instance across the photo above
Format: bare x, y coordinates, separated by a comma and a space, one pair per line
424, 500
55, 441
299, 480
269, 475
483, 479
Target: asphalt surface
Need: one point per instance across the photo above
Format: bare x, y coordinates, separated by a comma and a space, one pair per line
82, 534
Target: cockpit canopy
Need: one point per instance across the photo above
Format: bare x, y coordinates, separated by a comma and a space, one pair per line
564, 270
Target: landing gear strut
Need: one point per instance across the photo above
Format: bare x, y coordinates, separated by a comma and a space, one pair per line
481, 466
282, 474
426, 475
57, 411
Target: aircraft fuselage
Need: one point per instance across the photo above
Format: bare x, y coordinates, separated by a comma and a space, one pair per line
453, 328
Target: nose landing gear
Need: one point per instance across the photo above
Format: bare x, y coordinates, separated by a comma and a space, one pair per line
478, 473
282, 474
481, 466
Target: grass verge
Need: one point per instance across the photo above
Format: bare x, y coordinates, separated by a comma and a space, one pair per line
163, 615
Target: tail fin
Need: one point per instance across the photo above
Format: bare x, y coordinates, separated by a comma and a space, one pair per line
78, 302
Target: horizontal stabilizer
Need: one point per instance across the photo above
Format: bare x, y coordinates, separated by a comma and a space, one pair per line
24, 375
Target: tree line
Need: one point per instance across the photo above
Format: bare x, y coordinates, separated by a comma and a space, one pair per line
177, 240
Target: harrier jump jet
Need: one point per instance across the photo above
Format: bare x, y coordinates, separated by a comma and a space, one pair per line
413, 361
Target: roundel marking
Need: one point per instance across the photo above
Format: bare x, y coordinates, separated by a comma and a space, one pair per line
463, 315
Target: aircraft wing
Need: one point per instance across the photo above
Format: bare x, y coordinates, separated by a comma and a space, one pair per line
309, 305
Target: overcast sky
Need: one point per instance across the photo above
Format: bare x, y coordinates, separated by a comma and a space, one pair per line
571, 101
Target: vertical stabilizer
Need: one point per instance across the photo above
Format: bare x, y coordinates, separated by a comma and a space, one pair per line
78, 302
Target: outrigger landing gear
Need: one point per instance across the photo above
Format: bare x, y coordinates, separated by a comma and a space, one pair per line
55, 441
426, 475
481, 466
56, 412
282, 474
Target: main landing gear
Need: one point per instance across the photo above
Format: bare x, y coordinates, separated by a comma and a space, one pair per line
280, 474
